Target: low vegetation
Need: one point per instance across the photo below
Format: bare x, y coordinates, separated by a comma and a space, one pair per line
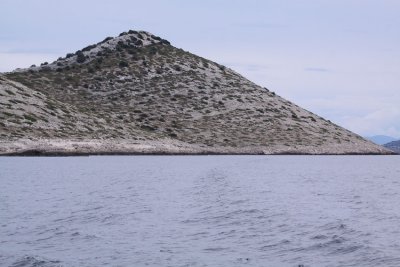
137, 86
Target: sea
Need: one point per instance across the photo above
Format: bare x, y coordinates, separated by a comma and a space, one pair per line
278, 211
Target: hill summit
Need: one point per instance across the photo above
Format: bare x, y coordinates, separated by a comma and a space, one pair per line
136, 93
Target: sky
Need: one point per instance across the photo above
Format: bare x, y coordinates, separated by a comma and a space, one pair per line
339, 59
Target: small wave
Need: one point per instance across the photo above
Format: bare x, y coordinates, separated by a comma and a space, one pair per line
78, 235
346, 249
319, 237
241, 201
31, 261
237, 216
215, 249
334, 241
200, 234
335, 245
275, 245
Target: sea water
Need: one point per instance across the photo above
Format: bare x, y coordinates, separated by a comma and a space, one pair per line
200, 211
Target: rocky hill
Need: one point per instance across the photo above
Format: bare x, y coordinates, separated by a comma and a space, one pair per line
136, 93
393, 146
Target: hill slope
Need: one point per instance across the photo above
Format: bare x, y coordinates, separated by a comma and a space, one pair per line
393, 146
136, 93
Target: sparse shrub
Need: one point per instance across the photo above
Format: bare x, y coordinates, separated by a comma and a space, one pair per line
139, 42
45, 68
123, 64
131, 51
177, 68
156, 38
105, 40
80, 57
153, 50
148, 128
69, 55
30, 118
44, 64
89, 47
33, 66
9, 92
163, 41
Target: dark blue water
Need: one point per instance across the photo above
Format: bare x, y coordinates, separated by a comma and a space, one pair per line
200, 211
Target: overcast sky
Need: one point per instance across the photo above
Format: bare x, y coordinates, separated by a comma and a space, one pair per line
339, 59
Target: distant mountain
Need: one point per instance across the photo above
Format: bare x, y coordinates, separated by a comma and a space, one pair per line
394, 146
136, 93
381, 139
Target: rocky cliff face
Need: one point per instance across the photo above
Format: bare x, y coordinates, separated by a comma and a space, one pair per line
136, 93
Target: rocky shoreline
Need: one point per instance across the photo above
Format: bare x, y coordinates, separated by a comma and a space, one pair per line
62, 147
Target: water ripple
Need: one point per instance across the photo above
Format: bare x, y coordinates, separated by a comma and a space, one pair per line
200, 211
